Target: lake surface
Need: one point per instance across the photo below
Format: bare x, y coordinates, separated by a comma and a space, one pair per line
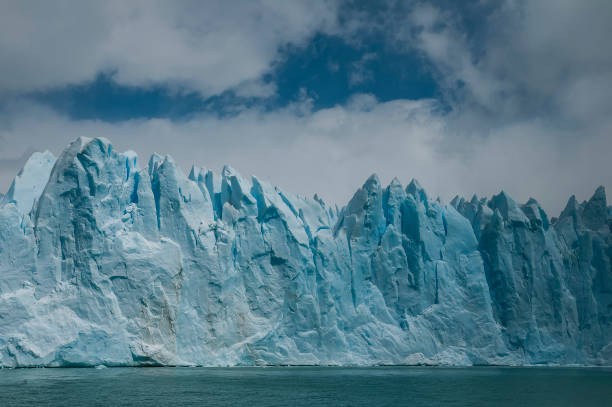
308, 386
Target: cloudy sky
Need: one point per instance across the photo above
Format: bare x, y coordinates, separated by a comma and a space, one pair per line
316, 95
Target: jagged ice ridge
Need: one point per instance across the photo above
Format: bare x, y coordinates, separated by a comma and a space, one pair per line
105, 262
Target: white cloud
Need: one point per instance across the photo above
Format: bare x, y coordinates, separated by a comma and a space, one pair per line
333, 151
360, 73
209, 46
532, 56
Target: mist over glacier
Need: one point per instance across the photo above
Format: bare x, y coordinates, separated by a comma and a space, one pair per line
107, 260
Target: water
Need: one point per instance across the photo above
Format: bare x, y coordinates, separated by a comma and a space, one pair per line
307, 386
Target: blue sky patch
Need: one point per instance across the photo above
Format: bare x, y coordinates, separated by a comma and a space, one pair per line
327, 70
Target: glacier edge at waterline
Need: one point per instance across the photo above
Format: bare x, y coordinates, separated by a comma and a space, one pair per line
104, 261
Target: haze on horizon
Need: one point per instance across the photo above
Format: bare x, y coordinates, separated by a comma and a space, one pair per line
314, 96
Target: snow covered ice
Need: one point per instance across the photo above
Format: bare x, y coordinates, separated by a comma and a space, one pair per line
105, 260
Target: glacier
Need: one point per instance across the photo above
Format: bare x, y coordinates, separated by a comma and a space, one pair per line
105, 260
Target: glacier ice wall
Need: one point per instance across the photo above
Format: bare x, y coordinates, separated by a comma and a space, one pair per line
103, 261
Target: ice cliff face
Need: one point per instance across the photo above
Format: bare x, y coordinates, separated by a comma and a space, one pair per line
105, 262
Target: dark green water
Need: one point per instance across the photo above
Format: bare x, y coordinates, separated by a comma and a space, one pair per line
305, 386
